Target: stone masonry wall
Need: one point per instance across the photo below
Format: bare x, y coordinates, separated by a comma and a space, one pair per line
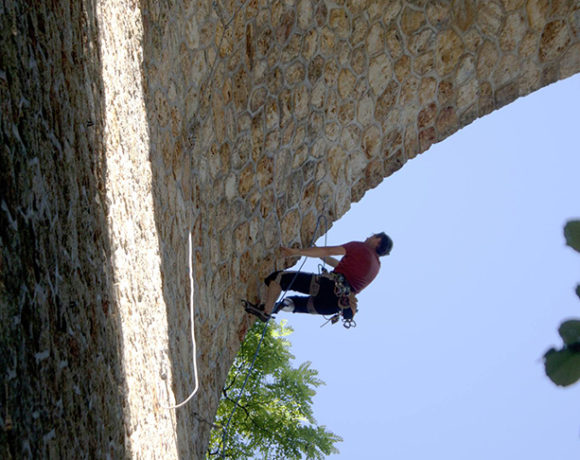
61, 376
128, 124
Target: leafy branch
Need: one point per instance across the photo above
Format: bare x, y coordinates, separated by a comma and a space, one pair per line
563, 365
277, 419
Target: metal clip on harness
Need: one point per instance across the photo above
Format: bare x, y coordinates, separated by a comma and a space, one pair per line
348, 323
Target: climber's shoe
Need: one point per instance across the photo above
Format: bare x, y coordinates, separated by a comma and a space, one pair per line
256, 310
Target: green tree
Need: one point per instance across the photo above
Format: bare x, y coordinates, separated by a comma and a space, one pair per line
563, 365
274, 417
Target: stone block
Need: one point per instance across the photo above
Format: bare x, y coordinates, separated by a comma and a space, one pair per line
464, 13
365, 110
467, 95
571, 62
424, 64
490, 17
391, 12
438, 13
554, 40
360, 29
380, 73
375, 41
402, 68
372, 140
487, 60
446, 122
422, 42
427, 90
412, 20
336, 163
358, 60
290, 226
513, 31
346, 83
339, 21
448, 50
427, 116
537, 13
394, 43
305, 13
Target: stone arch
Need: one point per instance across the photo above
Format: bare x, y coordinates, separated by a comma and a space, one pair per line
242, 121
340, 96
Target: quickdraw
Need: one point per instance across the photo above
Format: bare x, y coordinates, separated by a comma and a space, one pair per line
347, 323
346, 298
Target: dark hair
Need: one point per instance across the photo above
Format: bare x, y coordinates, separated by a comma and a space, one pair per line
385, 246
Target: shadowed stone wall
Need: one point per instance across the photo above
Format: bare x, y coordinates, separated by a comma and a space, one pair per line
61, 373
127, 124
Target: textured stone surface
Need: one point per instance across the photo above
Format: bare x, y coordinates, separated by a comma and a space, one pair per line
128, 124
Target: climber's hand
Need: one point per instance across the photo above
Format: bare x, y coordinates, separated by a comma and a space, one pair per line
290, 252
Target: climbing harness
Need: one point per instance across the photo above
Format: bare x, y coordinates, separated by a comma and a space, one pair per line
341, 287
346, 298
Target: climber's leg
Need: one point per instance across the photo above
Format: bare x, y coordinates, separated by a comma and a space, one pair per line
279, 281
322, 301
272, 294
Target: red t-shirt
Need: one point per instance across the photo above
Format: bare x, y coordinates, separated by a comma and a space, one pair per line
360, 265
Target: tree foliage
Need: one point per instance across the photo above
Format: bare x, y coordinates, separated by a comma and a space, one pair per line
274, 418
563, 365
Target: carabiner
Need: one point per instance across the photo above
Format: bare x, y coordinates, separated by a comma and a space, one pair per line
348, 323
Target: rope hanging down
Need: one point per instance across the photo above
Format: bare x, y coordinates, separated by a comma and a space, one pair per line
237, 401
192, 334
220, 13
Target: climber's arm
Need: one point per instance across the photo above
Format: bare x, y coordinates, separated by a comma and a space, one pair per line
323, 251
330, 261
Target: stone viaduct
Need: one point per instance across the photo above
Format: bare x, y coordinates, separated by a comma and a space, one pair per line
128, 124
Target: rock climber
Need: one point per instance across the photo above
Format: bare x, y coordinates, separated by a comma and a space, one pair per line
330, 293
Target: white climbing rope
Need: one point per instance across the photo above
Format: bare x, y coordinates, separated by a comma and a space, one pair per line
192, 333
220, 13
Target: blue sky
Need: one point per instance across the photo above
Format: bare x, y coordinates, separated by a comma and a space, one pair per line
445, 362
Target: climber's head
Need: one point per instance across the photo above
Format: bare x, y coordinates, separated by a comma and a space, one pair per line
381, 243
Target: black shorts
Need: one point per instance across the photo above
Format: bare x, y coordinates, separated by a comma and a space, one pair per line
320, 298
